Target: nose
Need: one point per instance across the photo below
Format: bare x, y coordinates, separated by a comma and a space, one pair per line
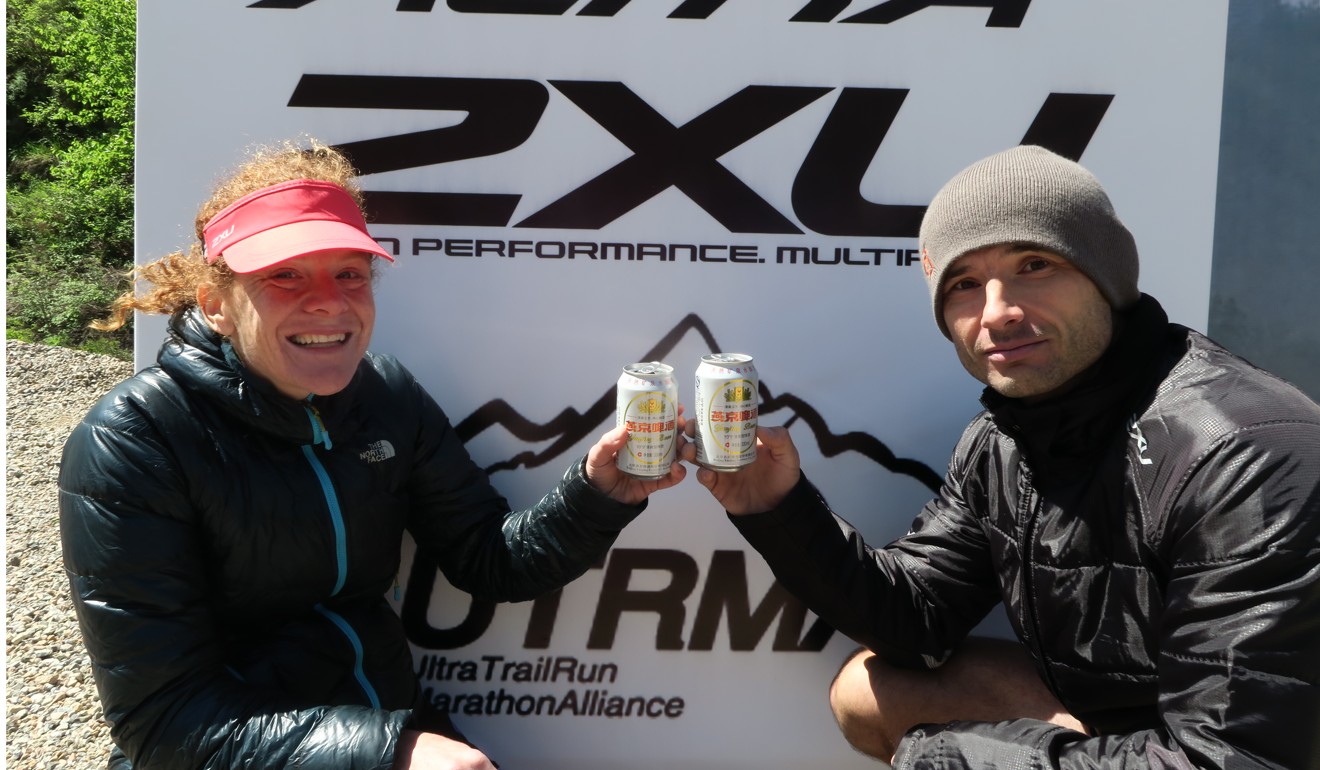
1000, 308
325, 295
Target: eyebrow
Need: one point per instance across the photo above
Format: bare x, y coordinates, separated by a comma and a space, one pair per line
1013, 248
954, 272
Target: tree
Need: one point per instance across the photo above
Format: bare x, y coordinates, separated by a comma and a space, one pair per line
70, 102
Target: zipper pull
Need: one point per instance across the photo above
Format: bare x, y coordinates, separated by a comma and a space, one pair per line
319, 434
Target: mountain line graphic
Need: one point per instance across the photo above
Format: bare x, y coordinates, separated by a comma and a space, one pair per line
570, 426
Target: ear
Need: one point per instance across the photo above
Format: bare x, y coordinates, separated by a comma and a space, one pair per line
214, 309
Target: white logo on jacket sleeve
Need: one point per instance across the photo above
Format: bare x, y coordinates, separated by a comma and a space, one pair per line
381, 450
1134, 431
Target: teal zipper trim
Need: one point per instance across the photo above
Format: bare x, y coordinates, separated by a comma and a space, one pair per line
336, 518
321, 436
353, 639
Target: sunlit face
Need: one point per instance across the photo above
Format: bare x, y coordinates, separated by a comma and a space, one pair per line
1024, 321
303, 324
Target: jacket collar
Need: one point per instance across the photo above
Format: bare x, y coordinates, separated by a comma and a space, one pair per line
1061, 437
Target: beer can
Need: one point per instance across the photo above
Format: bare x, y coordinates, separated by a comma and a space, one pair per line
647, 403
726, 406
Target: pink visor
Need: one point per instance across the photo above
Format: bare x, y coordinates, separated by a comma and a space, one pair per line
287, 220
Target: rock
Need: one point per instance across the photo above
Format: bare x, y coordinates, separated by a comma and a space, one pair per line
52, 716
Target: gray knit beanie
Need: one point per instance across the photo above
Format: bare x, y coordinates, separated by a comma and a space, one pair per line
1030, 195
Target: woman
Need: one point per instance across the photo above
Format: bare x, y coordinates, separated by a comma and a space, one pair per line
232, 517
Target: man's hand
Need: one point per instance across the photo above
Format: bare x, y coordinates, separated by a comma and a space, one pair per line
758, 487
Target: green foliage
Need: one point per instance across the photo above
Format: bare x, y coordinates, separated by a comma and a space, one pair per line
70, 102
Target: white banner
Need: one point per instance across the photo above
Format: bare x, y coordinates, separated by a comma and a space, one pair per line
574, 185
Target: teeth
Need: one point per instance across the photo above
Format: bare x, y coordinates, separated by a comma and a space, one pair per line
317, 339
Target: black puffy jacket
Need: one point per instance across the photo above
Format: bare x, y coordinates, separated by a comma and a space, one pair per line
229, 551
1155, 538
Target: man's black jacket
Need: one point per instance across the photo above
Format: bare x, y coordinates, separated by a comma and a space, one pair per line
1155, 537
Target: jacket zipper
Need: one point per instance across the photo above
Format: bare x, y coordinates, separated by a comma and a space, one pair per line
321, 436
1033, 504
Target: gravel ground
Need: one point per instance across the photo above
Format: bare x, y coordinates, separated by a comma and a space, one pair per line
52, 715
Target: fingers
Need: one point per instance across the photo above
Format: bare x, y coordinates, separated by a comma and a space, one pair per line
687, 450
430, 751
603, 472
606, 448
600, 469
778, 443
677, 472
777, 466
773, 438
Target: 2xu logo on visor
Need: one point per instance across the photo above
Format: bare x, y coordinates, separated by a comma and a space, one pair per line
503, 113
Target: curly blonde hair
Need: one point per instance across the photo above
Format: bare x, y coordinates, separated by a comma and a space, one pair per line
174, 278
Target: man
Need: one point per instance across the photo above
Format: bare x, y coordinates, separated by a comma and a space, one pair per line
1145, 504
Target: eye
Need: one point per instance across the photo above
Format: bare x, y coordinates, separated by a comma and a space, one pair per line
354, 270
959, 285
282, 276
352, 276
1034, 264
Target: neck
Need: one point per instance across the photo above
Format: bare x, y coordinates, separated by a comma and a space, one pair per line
1066, 428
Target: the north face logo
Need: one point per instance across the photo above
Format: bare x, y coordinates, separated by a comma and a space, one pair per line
381, 450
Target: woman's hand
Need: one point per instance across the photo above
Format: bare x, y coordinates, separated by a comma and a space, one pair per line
430, 751
604, 474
